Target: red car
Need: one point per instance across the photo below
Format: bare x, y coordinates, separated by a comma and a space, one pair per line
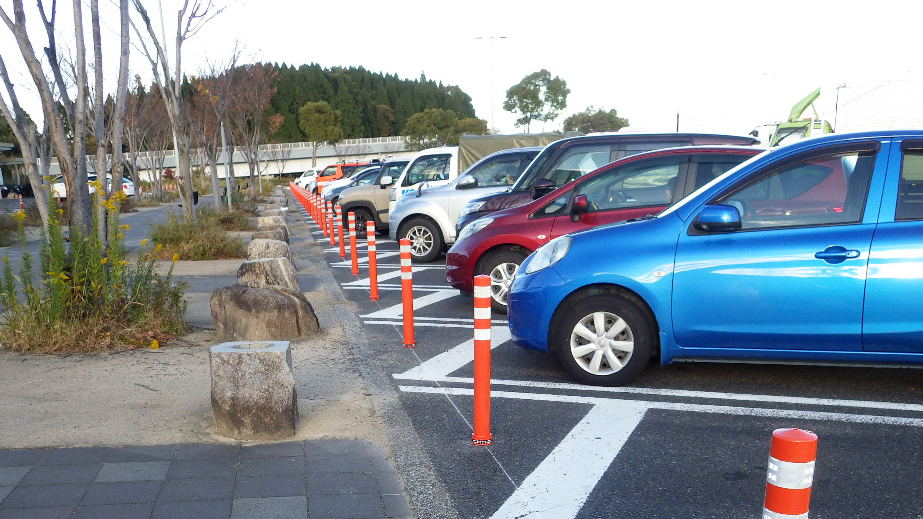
633, 187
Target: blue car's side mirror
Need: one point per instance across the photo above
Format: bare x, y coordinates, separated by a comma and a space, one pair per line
718, 218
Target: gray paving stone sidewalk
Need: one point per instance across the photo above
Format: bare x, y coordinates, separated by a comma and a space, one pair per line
316, 479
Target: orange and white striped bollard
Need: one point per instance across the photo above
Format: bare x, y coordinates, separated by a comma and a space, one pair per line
339, 211
407, 293
790, 474
21, 206
481, 434
373, 261
352, 243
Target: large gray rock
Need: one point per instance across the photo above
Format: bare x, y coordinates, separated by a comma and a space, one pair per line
269, 222
268, 272
270, 234
275, 212
264, 249
253, 390
254, 313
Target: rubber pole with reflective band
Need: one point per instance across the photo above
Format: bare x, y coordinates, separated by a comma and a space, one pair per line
481, 434
373, 261
407, 293
790, 474
339, 217
352, 243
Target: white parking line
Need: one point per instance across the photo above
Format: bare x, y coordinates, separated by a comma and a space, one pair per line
441, 365
563, 481
396, 311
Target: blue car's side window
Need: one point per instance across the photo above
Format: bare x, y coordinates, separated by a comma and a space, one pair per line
824, 190
910, 191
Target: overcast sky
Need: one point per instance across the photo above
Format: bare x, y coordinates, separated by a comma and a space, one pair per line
723, 66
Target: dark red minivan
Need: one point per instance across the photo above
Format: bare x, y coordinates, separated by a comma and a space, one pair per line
633, 187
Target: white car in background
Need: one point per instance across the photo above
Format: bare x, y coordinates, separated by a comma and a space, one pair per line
59, 190
307, 176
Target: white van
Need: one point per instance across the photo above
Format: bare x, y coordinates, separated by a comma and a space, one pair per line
429, 168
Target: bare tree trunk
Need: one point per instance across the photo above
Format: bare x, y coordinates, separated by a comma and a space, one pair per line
25, 132
99, 125
121, 99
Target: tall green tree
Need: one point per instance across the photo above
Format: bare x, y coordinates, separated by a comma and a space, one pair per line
595, 120
472, 126
538, 97
320, 123
431, 128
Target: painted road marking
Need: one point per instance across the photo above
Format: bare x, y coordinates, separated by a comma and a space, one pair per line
458, 357
761, 412
396, 311
559, 487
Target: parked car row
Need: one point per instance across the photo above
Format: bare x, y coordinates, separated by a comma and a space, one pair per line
809, 252
59, 189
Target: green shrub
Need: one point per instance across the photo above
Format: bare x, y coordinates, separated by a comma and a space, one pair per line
87, 298
203, 239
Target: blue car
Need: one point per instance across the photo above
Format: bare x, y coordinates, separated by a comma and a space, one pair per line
811, 252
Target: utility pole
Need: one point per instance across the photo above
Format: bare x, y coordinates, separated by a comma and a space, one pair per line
491, 50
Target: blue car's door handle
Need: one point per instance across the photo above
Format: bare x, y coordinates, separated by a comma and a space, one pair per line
836, 254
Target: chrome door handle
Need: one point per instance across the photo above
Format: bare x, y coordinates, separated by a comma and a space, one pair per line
836, 254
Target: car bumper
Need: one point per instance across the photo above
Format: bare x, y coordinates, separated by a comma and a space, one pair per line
459, 267
532, 301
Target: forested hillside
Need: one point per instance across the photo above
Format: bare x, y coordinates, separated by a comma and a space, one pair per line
370, 104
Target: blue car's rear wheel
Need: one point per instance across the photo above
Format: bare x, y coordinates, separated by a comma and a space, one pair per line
605, 339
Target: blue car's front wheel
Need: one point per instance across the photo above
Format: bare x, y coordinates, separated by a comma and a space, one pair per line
605, 339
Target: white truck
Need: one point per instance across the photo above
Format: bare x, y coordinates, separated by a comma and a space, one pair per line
428, 219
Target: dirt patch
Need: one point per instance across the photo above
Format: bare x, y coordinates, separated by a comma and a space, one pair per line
162, 396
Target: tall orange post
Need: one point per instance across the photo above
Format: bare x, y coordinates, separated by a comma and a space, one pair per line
373, 261
323, 216
331, 222
339, 211
334, 220
352, 243
481, 434
790, 474
407, 293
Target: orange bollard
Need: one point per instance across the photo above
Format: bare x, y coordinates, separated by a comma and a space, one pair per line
339, 211
790, 473
373, 261
20, 202
407, 293
481, 434
352, 243
323, 217
333, 217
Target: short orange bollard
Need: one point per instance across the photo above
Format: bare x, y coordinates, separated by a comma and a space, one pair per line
351, 217
407, 293
373, 261
323, 217
332, 221
790, 474
481, 434
339, 215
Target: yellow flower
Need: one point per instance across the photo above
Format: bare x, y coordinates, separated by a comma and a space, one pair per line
144, 242
19, 215
154, 344
158, 247
123, 263
125, 227
175, 257
63, 276
120, 236
103, 261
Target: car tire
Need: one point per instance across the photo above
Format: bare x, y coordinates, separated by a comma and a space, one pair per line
592, 358
362, 216
501, 267
425, 239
